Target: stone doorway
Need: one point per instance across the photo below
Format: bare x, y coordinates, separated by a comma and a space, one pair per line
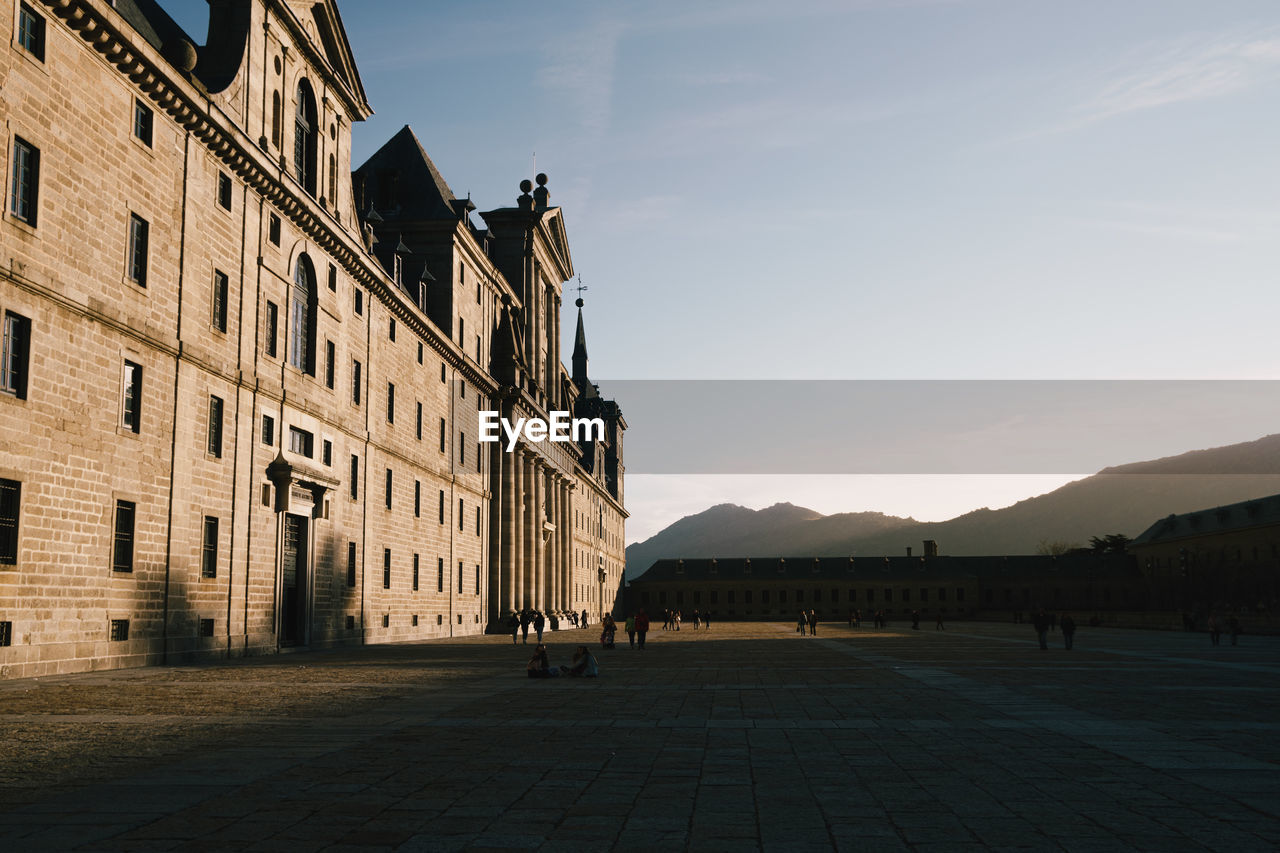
293, 590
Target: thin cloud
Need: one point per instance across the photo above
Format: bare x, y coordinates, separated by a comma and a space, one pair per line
1185, 71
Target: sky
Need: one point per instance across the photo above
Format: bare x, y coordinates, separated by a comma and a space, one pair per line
867, 189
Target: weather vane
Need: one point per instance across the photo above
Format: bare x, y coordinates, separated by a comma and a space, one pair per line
580, 288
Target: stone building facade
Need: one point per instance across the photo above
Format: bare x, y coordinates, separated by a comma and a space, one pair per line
239, 397
954, 587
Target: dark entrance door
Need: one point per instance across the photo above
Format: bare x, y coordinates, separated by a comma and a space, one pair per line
293, 598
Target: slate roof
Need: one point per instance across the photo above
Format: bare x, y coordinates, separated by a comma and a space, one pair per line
1258, 512
420, 191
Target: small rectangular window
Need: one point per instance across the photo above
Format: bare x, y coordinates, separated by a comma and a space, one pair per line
386, 568
206, 627
122, 550
143, 122
355, 476
224, 190
139, 237
419, 352
215, 426
268, 430
301, 442
388, 498
459, 584
442, 506
209, 554
477, 521
24, 190
355, 382
219, 308
351, 564
31, 31
462, 449
461, 510
442, 435
392, 330
417, 498
391, 403
328, 453
359, 300
131, 398
10, 510
119, 630
442, 373
440, 574
415, 581
479, 459
15, 358
272, 328
273, 229
333, 278
477, 578
330, 364
419, 423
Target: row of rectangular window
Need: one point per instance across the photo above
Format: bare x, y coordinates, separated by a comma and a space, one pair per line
815, 596
124, 533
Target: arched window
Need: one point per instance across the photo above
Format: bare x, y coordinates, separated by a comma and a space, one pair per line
305, 133
302, 318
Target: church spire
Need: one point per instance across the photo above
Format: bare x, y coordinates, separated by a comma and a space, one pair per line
580, 354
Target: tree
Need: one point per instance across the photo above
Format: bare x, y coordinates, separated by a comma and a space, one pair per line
1056, 548
1112, 543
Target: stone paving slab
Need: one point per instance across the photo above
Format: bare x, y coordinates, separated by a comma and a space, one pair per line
745, 737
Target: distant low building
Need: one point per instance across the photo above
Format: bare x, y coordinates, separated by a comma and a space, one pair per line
1224, 557
778, 587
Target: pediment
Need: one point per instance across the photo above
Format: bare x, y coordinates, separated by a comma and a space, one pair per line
322, 25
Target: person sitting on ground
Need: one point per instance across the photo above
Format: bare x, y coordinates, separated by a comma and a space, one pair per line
584, 664
538, 666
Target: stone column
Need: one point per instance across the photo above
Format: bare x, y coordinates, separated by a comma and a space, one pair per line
517, 527
528, 563
557, 552
566, 543
505, 571
539, 543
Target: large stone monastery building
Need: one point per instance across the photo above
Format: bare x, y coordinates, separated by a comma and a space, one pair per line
241, 386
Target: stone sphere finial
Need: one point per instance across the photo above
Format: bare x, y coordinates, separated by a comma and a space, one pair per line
525, 185
541, 179
578, 302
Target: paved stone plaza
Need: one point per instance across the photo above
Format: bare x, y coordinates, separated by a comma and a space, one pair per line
745, 737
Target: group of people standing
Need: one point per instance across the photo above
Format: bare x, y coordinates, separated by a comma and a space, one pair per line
521, 622
671, 620
1044, 622
807, 619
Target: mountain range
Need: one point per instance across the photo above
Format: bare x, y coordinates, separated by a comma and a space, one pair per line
1123, 499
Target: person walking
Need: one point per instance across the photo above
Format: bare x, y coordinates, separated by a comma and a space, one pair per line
524, 626
1233, 628
539, 622
939, 626
801, 622
630, 626
513, 622
813, 623
706, 621
1068, 626
1040, 621
642, 627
